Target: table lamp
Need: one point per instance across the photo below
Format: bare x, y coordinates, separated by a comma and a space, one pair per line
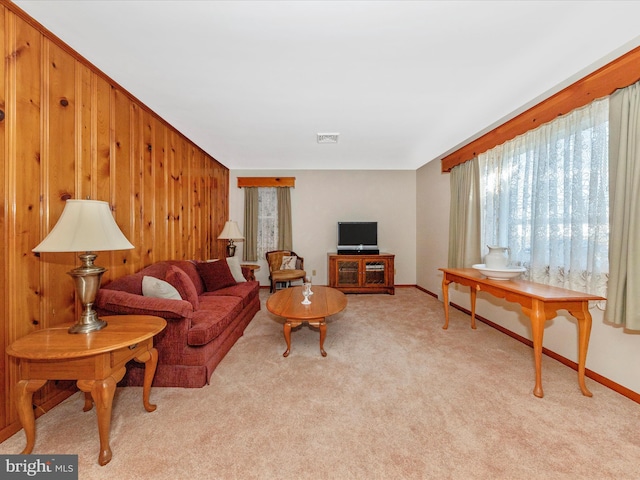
85, 226
231, 232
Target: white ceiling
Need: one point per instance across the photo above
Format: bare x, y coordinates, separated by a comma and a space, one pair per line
403, 82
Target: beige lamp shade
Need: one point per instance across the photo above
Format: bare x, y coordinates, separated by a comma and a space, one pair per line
85, 226
231, 231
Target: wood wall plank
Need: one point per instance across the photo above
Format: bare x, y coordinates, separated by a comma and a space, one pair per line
173, 207
23, 182
4, 377
162, 244
71, 132
195, 210
136, 164
148, 226
120, 178
83, 128
58, 169
101, 138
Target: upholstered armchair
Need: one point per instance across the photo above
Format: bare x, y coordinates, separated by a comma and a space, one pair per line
285, 266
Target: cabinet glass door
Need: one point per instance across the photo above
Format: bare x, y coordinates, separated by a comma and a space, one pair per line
374, 273
347, 273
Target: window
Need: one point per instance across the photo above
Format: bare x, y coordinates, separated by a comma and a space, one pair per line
545, 196
267, 220
267, 215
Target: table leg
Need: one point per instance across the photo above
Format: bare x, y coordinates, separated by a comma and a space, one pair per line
88, 402
445, 298
537, 317
102, 392
323, 334
24, 398
473, 293
150, 360
584, 332
287, 337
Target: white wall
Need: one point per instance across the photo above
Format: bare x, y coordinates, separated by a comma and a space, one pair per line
321, 198
612, 353
432, 226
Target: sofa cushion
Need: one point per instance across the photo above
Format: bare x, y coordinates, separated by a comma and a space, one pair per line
110, 302
215, 275
133, 283
236, 269
247, 291
156, 288
213, 317
189, 267
128, 283
183, 284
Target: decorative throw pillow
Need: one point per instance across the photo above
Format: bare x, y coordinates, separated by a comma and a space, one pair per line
236, 269
215, 275
289, 262
154, 287
183, 284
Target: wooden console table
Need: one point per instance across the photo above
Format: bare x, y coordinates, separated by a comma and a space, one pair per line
539, 302
96, 360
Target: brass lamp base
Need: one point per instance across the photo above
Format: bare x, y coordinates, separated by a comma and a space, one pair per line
93, 326
87, 279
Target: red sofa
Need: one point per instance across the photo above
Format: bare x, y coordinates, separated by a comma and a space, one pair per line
201, 327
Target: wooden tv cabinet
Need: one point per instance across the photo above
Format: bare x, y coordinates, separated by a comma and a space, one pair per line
362, 273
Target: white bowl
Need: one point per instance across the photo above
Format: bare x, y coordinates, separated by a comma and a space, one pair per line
499, 273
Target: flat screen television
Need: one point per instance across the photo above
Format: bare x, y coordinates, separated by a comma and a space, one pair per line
358, 237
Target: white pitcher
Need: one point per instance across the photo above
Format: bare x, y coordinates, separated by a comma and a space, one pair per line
497, 258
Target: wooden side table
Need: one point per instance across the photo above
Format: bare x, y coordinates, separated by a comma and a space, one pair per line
95, 360
252, 268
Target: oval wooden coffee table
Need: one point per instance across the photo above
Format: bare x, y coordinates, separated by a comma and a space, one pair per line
287, 303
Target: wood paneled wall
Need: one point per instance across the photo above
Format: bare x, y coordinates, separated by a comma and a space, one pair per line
68, 131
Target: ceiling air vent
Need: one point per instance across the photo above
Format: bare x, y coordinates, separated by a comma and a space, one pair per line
328, 137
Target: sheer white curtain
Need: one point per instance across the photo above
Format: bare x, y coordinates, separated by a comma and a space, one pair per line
267, 220
545, 196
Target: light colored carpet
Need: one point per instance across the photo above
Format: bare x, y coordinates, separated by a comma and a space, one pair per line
397, 397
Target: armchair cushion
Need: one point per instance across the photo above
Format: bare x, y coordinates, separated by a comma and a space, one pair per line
216, 275
289, 262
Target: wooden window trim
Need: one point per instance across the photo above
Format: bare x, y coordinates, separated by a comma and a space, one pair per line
266, 182
619, 73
